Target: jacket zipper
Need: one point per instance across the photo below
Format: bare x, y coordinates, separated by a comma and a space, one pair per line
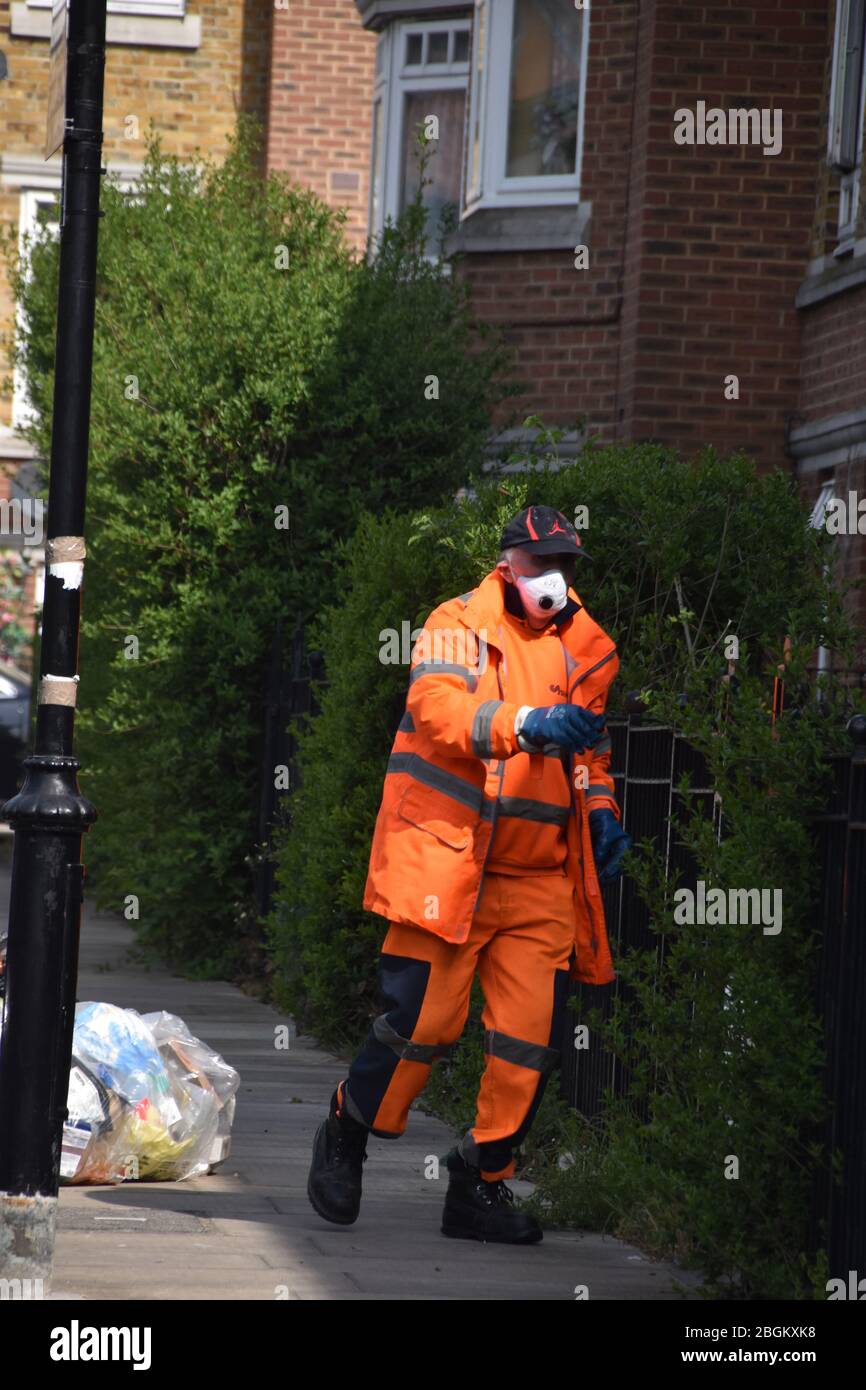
495, 815
578, 828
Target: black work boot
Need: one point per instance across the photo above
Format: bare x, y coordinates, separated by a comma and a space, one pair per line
479, 1210
339, 1153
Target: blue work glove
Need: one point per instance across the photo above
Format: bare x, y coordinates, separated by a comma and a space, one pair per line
571, 726
609, 844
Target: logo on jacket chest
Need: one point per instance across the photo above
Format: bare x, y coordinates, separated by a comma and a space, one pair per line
556, 689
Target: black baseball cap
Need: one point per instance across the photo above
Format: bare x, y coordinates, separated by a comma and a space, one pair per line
543, 531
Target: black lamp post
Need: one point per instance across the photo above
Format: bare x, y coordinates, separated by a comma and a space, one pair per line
49, 814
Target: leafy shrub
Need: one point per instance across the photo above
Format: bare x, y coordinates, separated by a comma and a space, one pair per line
243, 362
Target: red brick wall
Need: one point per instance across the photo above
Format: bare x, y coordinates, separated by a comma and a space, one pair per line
833, 362
563, 322
321, 90
643, 170
716, 238
696, 253
725, 233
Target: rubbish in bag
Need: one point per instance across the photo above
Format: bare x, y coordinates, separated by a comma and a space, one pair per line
91, 1111
120, 1049
147, 1099
192, 1061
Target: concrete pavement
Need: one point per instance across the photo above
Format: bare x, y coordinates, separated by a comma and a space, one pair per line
248, 1232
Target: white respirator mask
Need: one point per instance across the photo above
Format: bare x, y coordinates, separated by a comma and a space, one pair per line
544, 594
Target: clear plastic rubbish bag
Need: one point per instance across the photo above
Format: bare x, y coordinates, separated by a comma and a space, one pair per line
147, 1100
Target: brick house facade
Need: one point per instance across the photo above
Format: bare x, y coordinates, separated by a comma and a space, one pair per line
724, 278
721, 282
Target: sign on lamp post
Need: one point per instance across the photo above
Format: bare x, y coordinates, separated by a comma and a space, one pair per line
55, 130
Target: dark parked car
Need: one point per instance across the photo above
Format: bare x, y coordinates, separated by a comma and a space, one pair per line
14, 726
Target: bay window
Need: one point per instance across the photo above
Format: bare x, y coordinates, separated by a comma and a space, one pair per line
526, 103
845, 126
422, 71
506, 80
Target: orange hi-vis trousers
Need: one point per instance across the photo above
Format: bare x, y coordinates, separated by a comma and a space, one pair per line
520, 942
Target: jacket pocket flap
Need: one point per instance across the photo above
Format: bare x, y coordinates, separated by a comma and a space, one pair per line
438, 814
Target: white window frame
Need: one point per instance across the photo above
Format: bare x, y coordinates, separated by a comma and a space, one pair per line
162, 9
849, 199
818, 520
849, 179
30, 199
395, 80
487, 185
33, 189
148, 23
818, 516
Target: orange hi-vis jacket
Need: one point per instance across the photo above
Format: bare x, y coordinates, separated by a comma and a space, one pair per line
461, 796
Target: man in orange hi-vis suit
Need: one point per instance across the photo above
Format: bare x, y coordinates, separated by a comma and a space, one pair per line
497, 821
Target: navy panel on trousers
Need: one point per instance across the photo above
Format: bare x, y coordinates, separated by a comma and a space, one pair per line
402, 984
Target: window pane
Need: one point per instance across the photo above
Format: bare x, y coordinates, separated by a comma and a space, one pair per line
852, 111
444, 167
545, 79
414, 49
461, 46
48, 209
474, 179
437, 47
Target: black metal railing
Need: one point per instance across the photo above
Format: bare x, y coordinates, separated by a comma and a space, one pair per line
838, 1216
647, 763
288, 691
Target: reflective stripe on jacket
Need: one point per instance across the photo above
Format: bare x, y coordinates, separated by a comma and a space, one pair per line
534, 799
441, 793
